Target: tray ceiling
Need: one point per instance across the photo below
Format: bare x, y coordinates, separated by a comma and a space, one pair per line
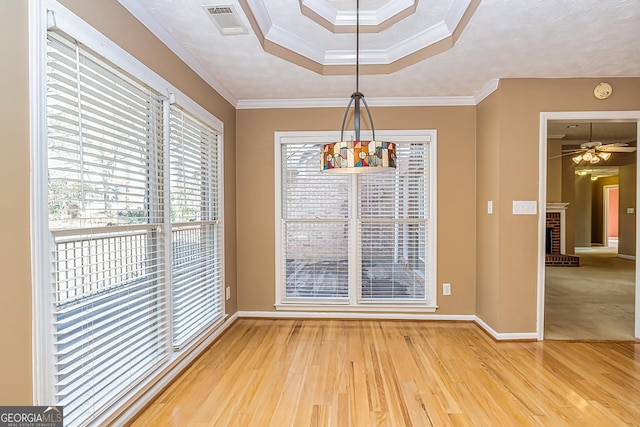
305, 49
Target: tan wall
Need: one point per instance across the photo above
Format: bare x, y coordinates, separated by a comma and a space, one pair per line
487, 242
582, 205
554, 171
627, 221
456, 195
521, 101
15, 262
15, 257
568, 196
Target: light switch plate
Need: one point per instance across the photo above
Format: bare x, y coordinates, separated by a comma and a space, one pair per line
490, 207
446, 289
525, 207
631, 210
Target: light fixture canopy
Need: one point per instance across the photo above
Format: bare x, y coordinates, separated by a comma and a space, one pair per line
358, 156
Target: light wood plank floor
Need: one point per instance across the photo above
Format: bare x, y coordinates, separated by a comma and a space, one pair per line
398, 373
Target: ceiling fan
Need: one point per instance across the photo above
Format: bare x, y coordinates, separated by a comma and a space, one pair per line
593, 152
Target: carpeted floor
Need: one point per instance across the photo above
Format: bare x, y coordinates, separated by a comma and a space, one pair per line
595, 301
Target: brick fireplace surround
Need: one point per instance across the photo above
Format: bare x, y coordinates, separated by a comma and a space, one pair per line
554, 236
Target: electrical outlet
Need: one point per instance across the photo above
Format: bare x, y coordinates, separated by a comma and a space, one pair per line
228, 291
446, 289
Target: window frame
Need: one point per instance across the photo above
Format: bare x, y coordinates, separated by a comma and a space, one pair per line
43, 15
354, 302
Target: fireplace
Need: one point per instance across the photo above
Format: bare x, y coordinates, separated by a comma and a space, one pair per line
555, 238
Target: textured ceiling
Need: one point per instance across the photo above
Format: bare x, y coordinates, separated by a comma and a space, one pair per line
579, 131
503, 39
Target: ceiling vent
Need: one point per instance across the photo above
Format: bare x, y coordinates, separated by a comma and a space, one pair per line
226, 19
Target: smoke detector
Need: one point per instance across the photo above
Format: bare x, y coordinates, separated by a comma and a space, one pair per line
226, 18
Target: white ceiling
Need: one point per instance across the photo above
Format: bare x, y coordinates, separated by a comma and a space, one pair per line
503, 39
576, 132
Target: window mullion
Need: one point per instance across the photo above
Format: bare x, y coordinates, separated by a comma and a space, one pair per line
80, 123
355, 263
166, 218
42, 254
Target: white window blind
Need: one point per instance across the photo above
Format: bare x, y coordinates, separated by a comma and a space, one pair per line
315, 226
355, 238
393, 214
105, 213
196, 227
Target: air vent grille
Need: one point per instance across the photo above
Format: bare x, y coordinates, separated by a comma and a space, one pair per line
226, 19
220, 10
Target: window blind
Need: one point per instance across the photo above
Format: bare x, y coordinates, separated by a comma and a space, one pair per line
315, 227
105, 212
197, 291
393, 214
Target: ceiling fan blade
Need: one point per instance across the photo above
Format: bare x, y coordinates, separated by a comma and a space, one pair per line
567, 153
616, 149
618, 144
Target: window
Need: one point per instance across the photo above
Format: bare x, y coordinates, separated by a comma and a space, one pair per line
105, 213
355, 240
129, 252
195, 226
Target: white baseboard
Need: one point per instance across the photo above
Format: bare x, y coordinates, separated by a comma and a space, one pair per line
631, 257
499, 336
508, 336
353, 315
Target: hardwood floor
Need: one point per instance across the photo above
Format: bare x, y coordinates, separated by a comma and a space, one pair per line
398, 373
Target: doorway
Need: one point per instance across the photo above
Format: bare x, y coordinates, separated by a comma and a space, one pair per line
603, 240
610, 212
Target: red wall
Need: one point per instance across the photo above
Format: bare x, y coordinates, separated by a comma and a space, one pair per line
612, 230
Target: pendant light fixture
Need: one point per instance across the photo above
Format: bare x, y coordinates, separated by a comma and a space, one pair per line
358, 156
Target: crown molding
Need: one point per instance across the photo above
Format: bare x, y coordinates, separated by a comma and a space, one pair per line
487, 90
436, 101
136, 9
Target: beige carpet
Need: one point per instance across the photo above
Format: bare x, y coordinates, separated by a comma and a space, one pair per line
595, 301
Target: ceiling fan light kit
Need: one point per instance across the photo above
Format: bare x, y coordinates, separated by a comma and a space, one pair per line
593, 152
591, 156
